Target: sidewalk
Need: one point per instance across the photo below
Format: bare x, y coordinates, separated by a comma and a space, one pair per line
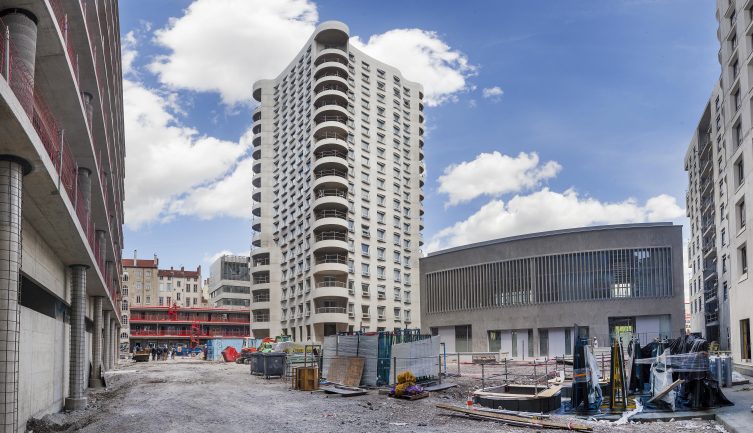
737, 418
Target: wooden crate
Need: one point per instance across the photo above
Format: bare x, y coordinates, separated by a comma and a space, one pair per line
306, 378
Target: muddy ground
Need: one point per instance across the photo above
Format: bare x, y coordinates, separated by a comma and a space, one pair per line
198, 396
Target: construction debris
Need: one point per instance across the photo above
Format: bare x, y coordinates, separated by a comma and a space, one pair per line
517, 420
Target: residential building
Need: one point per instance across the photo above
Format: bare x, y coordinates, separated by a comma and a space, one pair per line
523, 295
719, 161
229, 283
179, 287
175, 325
140, 284
61, 173
338, 176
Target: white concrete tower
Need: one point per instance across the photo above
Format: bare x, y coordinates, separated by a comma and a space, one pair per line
338, 177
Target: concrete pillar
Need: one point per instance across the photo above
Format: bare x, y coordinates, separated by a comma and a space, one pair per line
113, 343
86, 99
77, 398
95, 380
22, 28
12, 171
84, 183
107, 353
99, 237
117, 344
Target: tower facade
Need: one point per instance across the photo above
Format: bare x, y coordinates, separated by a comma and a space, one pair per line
338, 176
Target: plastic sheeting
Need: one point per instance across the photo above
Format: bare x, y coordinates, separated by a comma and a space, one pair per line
419, 357
680, 363
365, 346
661, 377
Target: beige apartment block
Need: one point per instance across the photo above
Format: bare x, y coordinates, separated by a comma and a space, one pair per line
140, 284
229, 283
719, 162
180, 288
338, 175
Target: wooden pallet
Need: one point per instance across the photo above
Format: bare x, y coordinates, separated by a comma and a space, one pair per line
412, 397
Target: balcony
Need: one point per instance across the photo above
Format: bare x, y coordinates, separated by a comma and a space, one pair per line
330, 160
330, 315
184, 334
332, 55
256, 209
331, 78
331, 199
57, 138
330, 242
331, 263
330, 178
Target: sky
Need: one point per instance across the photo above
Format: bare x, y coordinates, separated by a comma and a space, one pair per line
540, 115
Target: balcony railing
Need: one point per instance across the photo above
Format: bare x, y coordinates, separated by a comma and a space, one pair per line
331, 283
326, 102
187, 333
330, 310
331, 213
327, 153
322, 119
319, 193
261, 318
261, 298
325, 135
326, 59
329, 172
52, 136
326, 87
332, 258
331, 236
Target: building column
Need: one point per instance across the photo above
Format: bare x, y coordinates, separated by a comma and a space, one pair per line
22, 29
77, 399
84, 183
12, 171
99, 237
106, 329
95, 380
113, 342
117, 344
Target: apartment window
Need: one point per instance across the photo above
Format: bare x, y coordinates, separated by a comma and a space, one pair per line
743, 254
148, 300
741, 214
161, 301
365, 249
396, 275
724, 237
724, 266
739, 172
745, 339
380, 272
737, 102
735, 68
463, 338
365, 269
138, 299
396, 256
380, 217
380, 253
380, 235
177, 296
725, 290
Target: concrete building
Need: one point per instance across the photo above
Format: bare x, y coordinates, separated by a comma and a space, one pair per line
718, 161
338, 176
172, 326
140, 284
179, 287
61, 185
522, 295
229, 283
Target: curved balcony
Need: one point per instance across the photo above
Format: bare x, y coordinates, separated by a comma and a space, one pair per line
421, 117
330, 314
421, 178
330, 289
330, 66
256, 129
331, 242
331, 198
260, 268
257, 114
256, 209
330, 107
330, 219
256, 180
420, 142
260, 325
330, 160
336, 55
256, 224
256, 239
260, 255
331, 263
331, 91
420, 130
326, 141
255, 306
256, 195
256, 141
256, 167
420, 155
331, 78
330, 127
421, 168
330, 179
256, 154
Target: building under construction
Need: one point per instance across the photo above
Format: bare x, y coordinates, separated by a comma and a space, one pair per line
172, 326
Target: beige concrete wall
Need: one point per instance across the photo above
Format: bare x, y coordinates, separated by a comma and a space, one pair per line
41, 264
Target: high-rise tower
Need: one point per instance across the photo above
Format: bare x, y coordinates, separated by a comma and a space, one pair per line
338, 176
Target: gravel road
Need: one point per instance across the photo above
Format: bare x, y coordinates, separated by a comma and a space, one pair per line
197, 396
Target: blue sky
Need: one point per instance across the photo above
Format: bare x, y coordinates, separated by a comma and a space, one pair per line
606, 94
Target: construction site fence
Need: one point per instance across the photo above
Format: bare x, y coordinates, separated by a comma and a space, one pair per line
496, 368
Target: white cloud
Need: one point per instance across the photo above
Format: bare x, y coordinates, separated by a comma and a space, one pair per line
210, 258
166, 160
225, 45
494, 174
492, 92
423, 57
548, 210
128, 52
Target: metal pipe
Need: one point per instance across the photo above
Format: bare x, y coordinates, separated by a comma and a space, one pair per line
12, 171
77, 400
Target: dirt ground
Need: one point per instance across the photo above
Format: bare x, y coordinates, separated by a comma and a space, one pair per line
198, 396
